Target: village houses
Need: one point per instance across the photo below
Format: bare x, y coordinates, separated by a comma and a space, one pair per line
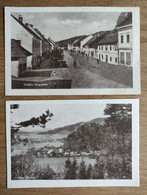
30, 40
91, 45
82, 43
113, 47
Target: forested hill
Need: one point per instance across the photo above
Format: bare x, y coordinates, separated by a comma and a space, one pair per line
88, 137
65, 42
73, 127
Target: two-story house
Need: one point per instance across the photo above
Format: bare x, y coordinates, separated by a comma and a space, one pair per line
28, 40
91, 45
108, 48
124, 28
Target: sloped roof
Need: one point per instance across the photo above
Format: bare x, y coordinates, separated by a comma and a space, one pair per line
27, 28
50, 40
65, 42
41, 35
110, 38
95, 39
78, 41
125, 18
17, 51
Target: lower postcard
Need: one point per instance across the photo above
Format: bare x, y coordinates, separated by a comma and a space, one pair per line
72, 143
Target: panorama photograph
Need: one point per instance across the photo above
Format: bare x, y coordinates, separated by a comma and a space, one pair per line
71, 50
70, 141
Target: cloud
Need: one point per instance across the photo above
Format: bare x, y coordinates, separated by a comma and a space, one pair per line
66, 22
70, 22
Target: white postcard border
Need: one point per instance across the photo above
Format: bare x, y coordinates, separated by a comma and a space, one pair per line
79, 183
111, 91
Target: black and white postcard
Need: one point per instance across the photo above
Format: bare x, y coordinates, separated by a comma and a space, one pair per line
72, 50
72, 143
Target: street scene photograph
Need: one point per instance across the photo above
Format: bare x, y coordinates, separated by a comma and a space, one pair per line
71, 50
64, 141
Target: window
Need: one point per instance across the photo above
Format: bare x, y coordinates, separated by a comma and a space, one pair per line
115, 60
122, 57
102, 56
110, 59
122, 38
128, 58
106, 47
128, 38
102, 48
110, 47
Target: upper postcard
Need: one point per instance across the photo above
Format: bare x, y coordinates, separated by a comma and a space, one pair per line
72, 50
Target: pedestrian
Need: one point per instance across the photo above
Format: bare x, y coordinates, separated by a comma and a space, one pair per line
98, 60
87, 57
75, 64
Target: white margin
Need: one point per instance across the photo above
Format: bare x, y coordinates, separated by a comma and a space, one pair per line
79, 183
103, 91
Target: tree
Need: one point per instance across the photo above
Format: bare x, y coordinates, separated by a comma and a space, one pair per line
68, 169
120, 122
98, 170
41, 120
82, 170
74, 169
89, 171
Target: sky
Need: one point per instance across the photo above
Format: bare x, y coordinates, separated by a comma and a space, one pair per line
63, 25
64, 114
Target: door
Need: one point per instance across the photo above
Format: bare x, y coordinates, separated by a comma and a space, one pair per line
128, 58
122, 58
106, 59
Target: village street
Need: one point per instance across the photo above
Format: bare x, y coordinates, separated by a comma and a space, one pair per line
89, 74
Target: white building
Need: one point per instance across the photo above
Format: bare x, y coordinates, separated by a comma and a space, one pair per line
124, 28
91, 45
107, 49
28, 38
82, 43
19, 33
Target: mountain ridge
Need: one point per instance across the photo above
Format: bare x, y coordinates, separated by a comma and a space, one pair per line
70, 128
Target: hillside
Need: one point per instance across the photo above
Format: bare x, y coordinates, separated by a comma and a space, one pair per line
88, 136
63, 130
71, 128
65, 42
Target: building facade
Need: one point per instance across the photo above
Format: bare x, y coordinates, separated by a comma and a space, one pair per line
19, 57
124, 29
107, 49
23, 36
82, 43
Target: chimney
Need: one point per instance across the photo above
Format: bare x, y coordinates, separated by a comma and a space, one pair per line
20, 18
29, 25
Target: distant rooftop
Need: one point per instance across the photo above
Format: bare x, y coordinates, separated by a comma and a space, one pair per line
111, 38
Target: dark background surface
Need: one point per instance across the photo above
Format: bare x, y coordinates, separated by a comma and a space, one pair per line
143, 101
